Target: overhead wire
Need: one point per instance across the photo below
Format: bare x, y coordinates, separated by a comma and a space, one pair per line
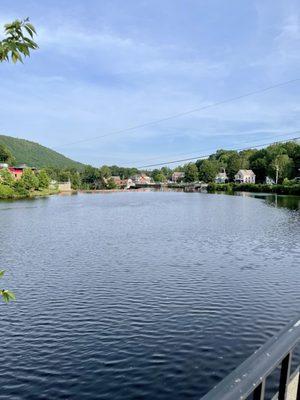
207, 155
183, 113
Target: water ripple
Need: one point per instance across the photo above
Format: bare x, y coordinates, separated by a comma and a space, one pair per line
141, 295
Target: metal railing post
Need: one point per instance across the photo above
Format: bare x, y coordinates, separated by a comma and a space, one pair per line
284, 376
298, 386
259, 392
250, 377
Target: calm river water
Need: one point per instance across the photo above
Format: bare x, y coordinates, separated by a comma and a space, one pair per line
141, 295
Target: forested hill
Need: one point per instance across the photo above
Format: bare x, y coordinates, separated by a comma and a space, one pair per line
36, 155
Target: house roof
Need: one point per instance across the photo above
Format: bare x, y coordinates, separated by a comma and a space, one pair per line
178, 173
222, 175
246, 172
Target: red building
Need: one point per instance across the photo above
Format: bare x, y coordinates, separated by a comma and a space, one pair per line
17, 171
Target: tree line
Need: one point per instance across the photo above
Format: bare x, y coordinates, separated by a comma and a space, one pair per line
281, 160
29, 182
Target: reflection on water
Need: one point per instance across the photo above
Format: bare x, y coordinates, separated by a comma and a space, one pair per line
141, 295
290, 202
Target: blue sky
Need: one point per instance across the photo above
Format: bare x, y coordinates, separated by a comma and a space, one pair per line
105, 65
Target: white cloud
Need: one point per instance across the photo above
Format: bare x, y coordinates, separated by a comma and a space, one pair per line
288, 41
83, 84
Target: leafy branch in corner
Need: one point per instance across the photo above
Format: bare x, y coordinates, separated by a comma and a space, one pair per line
6, 295
18, 42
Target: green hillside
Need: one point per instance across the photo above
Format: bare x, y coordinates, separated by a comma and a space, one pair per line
36, 155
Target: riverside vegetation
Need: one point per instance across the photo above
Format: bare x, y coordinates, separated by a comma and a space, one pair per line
282, 159
29, 185
287, 188
17, 44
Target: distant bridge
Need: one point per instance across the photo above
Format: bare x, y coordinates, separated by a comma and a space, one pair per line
185, 186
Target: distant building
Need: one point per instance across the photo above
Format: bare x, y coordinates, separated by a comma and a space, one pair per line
245, 176
3, 165
65, 186
221, 177
141, 179
127, 183
269, 181
177, 176
17, 171
117, 180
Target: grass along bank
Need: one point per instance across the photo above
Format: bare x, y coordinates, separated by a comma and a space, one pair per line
292, 189
7, 192
31, 184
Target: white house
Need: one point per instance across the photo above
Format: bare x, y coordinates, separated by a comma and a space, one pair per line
245, 176
269, 181
141, 179
3, 165
221, 177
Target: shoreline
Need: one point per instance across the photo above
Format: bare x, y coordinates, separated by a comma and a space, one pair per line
228, 189
293, 190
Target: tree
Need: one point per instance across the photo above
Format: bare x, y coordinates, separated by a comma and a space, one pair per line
6, 177
75, 180
258, 162
111, 184
18, 41
167, 172
92, 178
190, 173
281, 167
44, 180
5, 155
29, 180
245, 156
105, 172
158, 176
15, 45
293, 151
208, 170
6, 295
233, 164
63, 176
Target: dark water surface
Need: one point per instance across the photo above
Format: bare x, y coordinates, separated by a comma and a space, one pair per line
141, 295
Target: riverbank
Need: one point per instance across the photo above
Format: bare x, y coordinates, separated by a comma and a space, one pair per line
94, 191
254, 188
9, 193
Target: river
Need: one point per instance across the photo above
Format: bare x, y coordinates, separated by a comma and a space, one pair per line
141, 295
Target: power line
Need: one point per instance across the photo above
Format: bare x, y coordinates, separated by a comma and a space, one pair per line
207, 155
197, 152
184, 113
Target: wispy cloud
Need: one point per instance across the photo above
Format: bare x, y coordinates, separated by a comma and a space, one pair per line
129, 68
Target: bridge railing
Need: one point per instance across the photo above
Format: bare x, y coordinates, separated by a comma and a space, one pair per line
248, 381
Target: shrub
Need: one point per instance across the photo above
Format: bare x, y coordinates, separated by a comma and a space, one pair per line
6, 192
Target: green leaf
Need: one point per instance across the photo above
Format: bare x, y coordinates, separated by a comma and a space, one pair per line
31, 27
7, 296
15, 56
28, 30
30, 43
2, 272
